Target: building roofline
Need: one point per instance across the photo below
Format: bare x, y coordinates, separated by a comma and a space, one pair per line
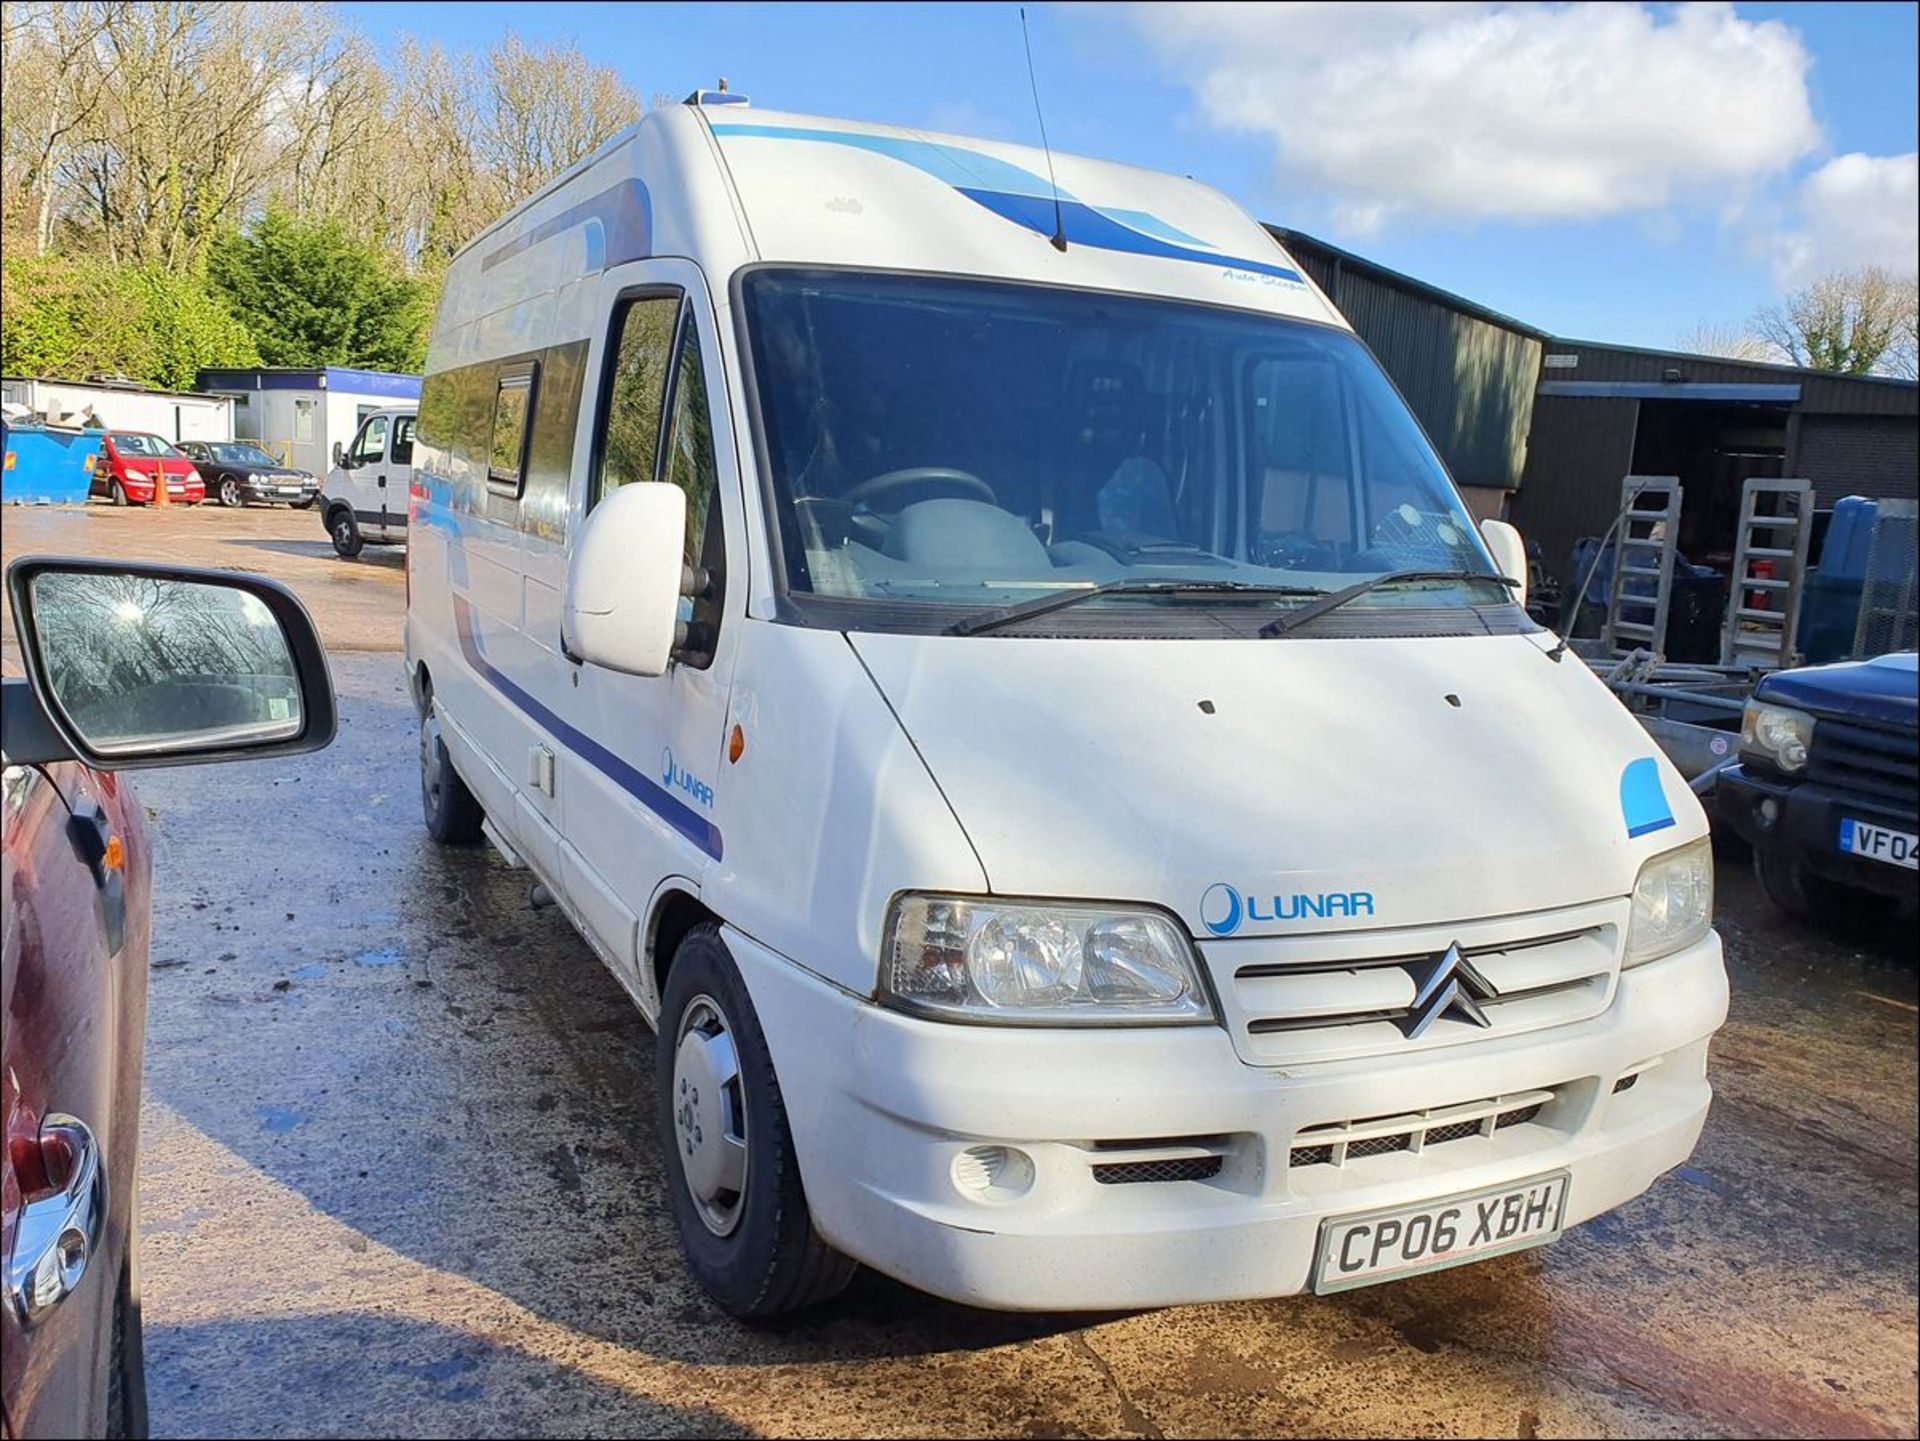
1778, 367
1401, 280
131, 388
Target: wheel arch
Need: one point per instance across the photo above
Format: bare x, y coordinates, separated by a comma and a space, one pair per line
676, 911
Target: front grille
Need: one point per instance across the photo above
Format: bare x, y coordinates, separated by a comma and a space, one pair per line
1298, 999
1129, 1173
1881, 765
1382, 1135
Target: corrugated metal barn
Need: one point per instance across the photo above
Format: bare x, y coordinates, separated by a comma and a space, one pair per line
1468, 372
1542, 430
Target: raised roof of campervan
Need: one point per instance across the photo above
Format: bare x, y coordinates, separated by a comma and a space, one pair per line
730, 187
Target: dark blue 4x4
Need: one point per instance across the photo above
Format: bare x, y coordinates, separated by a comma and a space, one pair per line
1828, 785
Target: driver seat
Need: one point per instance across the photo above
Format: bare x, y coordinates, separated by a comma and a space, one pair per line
968, 535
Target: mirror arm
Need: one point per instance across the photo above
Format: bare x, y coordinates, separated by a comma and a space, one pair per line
30, 739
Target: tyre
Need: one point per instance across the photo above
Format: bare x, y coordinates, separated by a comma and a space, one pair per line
345, 532
1815, 900
307, 504
452, 813
230, 495
127, 1367
733, 1180
117, 493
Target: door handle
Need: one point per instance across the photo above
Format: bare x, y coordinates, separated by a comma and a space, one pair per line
58, 1234
383, 482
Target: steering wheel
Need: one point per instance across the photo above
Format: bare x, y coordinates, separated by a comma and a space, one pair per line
939, 479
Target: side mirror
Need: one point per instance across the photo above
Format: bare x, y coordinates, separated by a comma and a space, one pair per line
621, 608
131, 665
1509, 554
338, 451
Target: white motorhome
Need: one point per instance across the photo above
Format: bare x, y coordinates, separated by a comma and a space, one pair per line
1010, 691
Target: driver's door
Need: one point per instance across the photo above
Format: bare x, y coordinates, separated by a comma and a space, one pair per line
638, 803
359, 475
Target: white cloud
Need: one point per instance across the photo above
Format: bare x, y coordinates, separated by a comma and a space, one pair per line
1497, 111
1854, 210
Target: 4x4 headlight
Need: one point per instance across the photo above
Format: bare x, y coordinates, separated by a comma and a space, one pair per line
1027, 963
1672, 903
1776, 734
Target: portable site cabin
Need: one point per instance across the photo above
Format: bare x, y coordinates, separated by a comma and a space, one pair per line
298, 415
105, 403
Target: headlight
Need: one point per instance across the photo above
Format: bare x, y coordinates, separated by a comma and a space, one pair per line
192, 477
1672, 903
1032, 964
139, 475
1776, 734
253, 477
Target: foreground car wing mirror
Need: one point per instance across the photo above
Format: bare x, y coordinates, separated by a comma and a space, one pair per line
131, 665
621, 606
1509, 553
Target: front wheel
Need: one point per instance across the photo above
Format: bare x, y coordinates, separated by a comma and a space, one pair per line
117, 493
345, 533
452, 813
1793, 888
230, 495
733, 1180
127, 1363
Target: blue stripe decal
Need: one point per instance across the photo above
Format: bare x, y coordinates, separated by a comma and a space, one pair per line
1643, 804
1024, 198
643, 788
618, 222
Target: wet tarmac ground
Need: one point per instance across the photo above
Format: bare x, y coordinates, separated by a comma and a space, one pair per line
401, 1178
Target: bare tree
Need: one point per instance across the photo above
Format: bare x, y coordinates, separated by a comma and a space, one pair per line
1729, 342
45, 54
1849, 321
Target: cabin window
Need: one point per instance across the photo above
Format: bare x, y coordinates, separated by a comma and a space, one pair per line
507, 450
634, 394
403, 440
371, 444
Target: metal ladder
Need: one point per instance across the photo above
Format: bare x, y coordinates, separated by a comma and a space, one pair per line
1773, 535
1648, 542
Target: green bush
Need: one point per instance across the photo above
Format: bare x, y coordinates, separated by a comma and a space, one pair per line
313, 295
69, 318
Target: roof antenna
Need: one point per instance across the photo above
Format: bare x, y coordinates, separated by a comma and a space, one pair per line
1059, 219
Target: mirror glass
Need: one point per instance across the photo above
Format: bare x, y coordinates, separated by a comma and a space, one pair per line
142, 664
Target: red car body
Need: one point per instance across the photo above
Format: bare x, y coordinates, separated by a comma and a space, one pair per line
131, 459
74, 873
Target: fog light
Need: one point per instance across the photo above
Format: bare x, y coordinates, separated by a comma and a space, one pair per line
1769, 811
993, 1173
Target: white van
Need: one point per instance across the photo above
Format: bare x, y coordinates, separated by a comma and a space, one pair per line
1012, 694
365, 496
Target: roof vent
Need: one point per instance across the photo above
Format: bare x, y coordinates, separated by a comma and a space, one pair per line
720, 95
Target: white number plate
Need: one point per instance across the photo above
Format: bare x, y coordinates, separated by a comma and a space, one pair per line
1877, 843
1432, 1235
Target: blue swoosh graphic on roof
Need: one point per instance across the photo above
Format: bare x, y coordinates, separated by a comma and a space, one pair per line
1026, 199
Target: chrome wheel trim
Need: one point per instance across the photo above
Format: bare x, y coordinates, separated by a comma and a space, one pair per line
710, 1115
431, 781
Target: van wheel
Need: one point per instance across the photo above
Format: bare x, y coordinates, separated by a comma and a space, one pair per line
453, 815
732, 1178
345, 531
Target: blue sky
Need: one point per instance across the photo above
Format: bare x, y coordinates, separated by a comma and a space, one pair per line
1618, 173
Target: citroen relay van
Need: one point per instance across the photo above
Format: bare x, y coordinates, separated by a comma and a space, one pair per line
1002, 680
364, 499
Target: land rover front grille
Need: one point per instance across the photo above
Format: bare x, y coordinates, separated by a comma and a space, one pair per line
1875, 764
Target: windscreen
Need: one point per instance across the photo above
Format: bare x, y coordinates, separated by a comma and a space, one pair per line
936, 442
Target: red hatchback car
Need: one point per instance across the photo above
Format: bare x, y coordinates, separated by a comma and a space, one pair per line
127, 666
130, 462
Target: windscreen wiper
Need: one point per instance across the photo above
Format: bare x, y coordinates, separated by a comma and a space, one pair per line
1333, 600
1046, 604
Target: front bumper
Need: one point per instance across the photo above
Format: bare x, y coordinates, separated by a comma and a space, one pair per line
279, 492
1804, 822
882, 1105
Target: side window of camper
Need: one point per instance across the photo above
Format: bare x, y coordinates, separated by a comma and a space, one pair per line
371, 444
690, 465
634, 393
507, 449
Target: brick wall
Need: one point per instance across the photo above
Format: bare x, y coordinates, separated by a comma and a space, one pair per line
1871, 455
